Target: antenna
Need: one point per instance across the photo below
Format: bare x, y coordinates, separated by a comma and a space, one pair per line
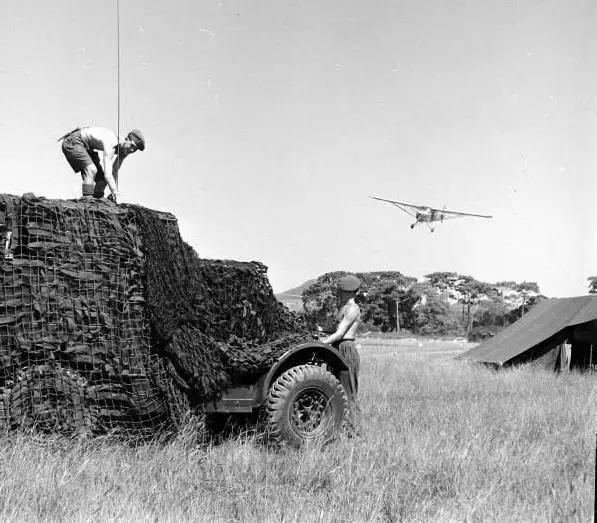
118, 84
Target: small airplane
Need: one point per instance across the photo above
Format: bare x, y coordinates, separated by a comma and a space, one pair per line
428, 215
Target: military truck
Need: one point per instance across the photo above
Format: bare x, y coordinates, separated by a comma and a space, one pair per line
109, 322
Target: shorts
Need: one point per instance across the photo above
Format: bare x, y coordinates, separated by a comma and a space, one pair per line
350, 354
79, 157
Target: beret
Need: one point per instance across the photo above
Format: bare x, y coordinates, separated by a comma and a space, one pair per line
138, 138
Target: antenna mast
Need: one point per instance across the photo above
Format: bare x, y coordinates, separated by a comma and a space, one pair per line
118, 83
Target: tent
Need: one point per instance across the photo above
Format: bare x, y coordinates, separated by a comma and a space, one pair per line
545, 334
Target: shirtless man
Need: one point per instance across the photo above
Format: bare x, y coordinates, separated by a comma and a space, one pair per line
343, 338
81, 147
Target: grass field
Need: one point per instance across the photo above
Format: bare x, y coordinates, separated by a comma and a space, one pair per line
441, 440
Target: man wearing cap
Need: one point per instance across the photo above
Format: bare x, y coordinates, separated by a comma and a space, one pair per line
343, 338
81, 148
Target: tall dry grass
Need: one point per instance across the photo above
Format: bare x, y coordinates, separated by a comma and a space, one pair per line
441, 440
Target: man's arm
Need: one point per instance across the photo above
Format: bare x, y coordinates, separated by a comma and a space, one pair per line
348, 319
119, 158
109, 158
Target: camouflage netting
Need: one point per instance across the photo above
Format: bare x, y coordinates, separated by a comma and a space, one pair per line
109, 321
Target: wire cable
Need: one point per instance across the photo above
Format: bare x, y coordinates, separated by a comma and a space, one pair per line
117, 85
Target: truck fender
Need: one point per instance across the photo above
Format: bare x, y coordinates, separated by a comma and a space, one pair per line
300, 355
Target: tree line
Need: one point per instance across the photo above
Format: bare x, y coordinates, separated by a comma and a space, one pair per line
442, 304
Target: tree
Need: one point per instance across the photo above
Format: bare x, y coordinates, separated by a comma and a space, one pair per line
385, 291
592, 284
319, 300
443, 282
519, 297
471, 292
381, 294
528, 290
435, 318
491, 313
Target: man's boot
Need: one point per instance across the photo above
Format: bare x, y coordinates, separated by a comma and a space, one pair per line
100, 187
87, 189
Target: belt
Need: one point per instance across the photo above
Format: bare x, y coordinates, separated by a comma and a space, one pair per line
68, 134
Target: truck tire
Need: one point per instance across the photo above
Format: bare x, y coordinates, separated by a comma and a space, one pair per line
50, 400
306, 403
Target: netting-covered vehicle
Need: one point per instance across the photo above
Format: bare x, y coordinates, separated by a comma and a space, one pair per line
110, 322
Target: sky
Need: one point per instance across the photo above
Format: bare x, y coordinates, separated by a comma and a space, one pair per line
270, 123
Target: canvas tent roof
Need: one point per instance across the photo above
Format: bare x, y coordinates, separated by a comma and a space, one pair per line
544, 321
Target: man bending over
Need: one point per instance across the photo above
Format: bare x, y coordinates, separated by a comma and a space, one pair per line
97, 153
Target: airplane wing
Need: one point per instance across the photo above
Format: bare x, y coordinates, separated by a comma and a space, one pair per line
405, 206
458, 214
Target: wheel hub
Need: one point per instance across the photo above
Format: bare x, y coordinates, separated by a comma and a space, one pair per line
310, 412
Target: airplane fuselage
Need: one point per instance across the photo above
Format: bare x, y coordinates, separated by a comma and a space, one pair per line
427, 216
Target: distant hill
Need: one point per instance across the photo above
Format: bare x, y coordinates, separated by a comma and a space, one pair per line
292, 298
